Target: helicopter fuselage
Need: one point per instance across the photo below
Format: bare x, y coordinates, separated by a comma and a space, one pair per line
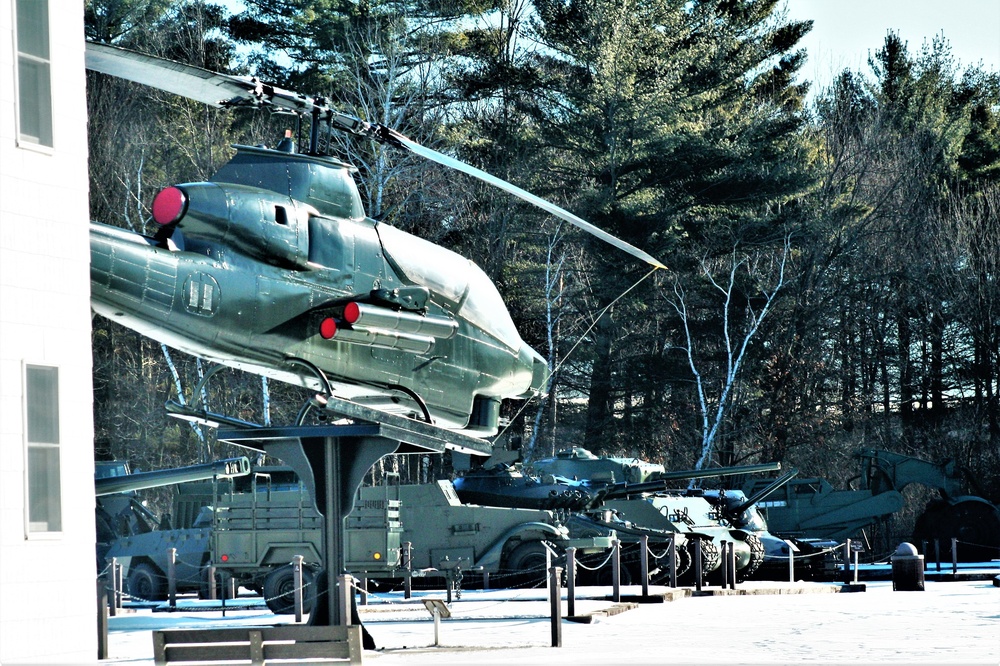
274, 260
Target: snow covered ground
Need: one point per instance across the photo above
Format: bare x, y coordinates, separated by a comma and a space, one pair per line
948, 622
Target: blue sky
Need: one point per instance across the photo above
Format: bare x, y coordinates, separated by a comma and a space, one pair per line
846, 31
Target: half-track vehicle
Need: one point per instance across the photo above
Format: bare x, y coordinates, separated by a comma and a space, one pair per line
450, 538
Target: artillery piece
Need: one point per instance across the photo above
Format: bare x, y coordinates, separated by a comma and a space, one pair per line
812, 508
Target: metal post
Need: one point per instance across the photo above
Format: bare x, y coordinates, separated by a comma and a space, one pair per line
213, 593
119, 583
937, 553
363, 590
172, 578
954, 555
436, 614
791, 565
731, 554
408, 565
855, 567
616, 571
102, 617
672, 554
115, 590
923, 549
345, 594
297, 573
486, 580
644, 564
571, 581
847, 561
555, 605
697, 565
725, 564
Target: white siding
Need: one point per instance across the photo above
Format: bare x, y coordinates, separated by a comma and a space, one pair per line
47, 589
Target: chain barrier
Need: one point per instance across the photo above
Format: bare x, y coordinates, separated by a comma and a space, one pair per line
607, 559
524, 587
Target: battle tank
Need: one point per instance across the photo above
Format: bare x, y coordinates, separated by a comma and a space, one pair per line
634, 498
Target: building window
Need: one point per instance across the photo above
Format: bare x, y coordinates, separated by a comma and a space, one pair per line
41, 407
34, 85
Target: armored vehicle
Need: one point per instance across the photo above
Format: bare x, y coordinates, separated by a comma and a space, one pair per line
451, 538
251, 528
141, 541
640, 494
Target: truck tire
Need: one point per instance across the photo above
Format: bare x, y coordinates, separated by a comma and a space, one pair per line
526, 564
279, 590
146, 584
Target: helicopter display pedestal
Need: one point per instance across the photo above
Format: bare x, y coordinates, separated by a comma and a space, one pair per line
332, 460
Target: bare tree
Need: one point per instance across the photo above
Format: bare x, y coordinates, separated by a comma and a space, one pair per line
713, 408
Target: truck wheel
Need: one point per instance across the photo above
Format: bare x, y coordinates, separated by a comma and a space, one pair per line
279, 590
146, 584
526, 564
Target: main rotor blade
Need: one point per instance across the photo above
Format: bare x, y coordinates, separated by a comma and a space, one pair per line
547, 206
185, 80
212, 88
223, 90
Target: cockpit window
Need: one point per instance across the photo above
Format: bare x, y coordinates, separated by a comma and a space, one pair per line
456, 278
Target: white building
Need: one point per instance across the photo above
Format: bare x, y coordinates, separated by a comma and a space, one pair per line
47, 559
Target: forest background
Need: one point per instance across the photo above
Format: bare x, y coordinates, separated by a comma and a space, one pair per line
834, 254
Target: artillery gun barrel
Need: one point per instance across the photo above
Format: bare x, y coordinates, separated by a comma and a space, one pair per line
761, 494
229, 467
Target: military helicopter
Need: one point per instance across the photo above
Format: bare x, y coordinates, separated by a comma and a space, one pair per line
273, 267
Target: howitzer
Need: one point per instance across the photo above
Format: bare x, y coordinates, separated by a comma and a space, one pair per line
230, 467
764, 493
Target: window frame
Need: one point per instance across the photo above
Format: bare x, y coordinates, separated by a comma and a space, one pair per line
25, 140
30, 532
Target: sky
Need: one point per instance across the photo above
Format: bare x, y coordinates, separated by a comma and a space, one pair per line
845, 32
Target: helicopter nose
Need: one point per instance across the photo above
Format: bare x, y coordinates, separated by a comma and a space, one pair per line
539, 372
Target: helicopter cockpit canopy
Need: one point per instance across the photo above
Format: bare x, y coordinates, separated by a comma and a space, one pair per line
324, 183
454, 277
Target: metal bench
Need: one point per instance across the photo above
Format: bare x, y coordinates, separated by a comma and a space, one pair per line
292, 644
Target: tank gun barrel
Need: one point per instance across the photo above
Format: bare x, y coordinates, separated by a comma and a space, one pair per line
619, 490
229, 467
719, 471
